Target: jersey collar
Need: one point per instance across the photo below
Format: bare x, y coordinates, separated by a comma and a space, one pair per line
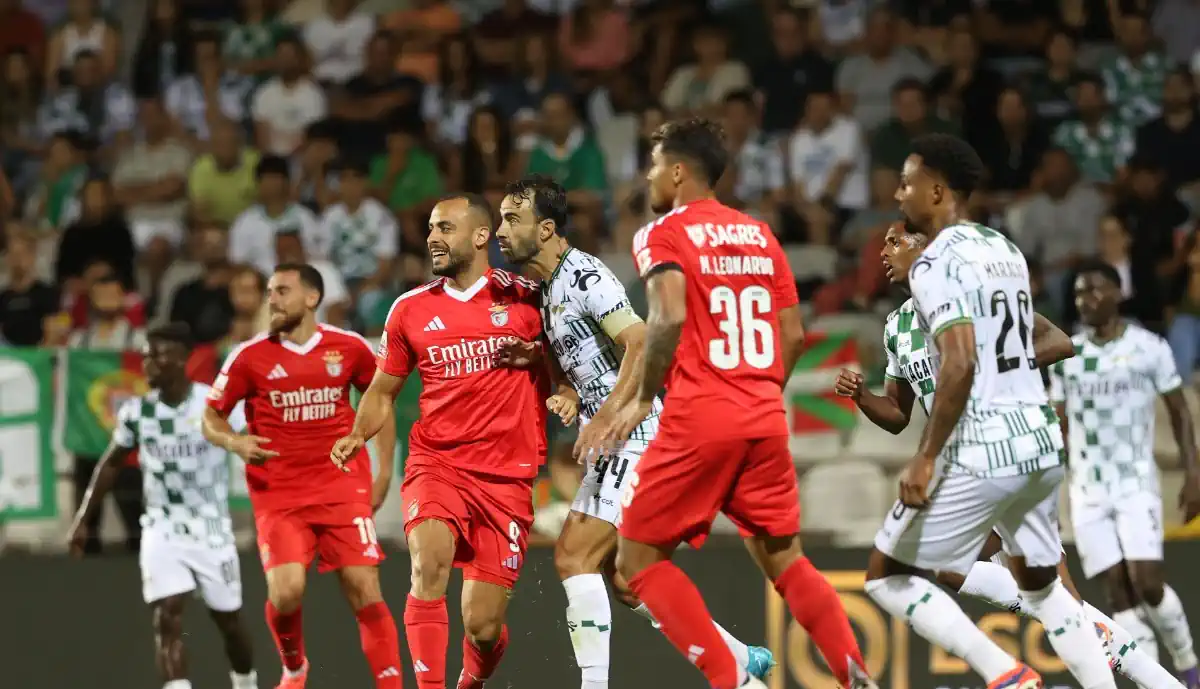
561, 262
304, 348
469, 293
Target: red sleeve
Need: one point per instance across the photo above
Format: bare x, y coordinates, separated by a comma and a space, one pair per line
785, 281
364, 365
232, 384
654, 245
396, 356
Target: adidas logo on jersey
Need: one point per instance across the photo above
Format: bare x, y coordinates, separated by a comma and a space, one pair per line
435, 324
277, 373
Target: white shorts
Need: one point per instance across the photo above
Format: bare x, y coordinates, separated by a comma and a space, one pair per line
948, 535
172, 566
1129, 528
599, 494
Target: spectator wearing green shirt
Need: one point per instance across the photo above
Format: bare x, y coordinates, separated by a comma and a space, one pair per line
407, 180
1134, 77
1098, 142
248, 45
568, 154
54, 203
892, 142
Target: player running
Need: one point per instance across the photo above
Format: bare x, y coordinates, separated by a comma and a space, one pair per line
724, 323
1106, 396
187, 536
597, 341
910, 376
295, 380
477, 446
991, 454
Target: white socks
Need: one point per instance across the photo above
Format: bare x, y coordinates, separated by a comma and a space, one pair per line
589, 619
994, 584
936, 617
741, 653
1131, 657
1071, 635
1171, 623
178, 684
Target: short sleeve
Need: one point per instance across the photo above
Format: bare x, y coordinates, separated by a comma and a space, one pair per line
395, 356
335, 287
1058, 384
316, 235
890, 336
654, 245
1166, 373
241, 247
939, 288
259, 103
124, 434
607, 303
848, 143
364, 364
232, 384
237, 418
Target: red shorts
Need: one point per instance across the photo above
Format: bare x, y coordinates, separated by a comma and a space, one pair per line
676, 492
340, 535
490, 517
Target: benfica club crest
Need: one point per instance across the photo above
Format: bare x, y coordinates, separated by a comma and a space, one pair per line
696, 234
333, 363
499, 315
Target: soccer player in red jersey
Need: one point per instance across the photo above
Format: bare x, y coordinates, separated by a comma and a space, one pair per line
474, 452
723, 328
295, 380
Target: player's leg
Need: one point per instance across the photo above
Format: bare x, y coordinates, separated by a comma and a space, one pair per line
286, 546
580, 553
485, 635
219, 578
166, 581
1028, 525
167, 614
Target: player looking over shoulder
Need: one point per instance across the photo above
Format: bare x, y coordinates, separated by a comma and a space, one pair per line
1106, 396
477, 446
295, 381
910, 376
187, 535
597, 341
723, 328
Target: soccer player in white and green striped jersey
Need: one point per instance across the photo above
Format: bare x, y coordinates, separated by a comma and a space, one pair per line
910, 377
1106, 396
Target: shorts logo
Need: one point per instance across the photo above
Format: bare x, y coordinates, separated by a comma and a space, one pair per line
499, 315
413, 508
264, 553
333, 363
512, 562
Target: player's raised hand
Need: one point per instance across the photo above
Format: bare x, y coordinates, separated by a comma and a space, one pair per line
914, 482
516, 353
627, 418
1189, 498
593, 437
345, 450
77, 539
848, 384
565, 406
249, 448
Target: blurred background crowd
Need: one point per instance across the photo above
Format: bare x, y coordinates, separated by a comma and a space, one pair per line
160, 156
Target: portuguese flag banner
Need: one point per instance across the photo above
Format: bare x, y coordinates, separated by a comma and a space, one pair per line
27, 472
97, 384
812, 405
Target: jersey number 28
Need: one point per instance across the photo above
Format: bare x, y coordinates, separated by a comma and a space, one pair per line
747, 336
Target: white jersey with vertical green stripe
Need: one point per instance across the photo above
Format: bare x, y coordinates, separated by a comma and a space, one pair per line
908, 358
1108, 391
972, 274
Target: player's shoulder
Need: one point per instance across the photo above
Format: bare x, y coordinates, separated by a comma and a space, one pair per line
513, 285
893, 317
247, 349
334, 213
1146, 338
336, 335
131, 408
248, 218
413, 297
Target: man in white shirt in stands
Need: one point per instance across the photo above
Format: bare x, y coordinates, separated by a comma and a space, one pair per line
828, 167
285, 105
252, 236
338, 41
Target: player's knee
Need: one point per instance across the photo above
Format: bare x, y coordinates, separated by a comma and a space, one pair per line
168, 621
229, 623
286, 594
430, 574
482, 623
951, 580
571, 560
1149, 587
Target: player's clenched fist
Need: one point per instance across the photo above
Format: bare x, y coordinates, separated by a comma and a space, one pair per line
849, 384
345, 450
249, 448
566, 408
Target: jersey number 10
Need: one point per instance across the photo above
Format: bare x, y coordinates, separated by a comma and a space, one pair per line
747, 336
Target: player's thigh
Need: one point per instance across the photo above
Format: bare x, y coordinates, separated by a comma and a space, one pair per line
219, 576
1028, 523
164, 568
1140, 527
498, 535
346, 536
1096, 540
765, 499
284, 537
676, 492
434, 493
949, 534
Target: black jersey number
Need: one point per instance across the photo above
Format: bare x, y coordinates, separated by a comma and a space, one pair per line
1018, 313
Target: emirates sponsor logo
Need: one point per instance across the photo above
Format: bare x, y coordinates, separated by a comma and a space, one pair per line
307, 404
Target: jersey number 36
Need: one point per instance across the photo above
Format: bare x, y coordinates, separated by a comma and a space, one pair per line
747, 336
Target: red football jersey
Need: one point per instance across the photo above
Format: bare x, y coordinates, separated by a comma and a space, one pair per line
475, 416
298, 395
726, 380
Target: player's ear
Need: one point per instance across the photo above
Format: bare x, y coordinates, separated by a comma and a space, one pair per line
483, 234
546, 229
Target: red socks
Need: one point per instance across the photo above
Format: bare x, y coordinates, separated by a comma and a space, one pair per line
380, 644
428, 630
816, 606
685, 620
288, 631
479, 664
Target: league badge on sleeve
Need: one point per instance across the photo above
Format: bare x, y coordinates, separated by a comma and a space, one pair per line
333, 363
499, 315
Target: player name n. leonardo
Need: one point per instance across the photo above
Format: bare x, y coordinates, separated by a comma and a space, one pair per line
737, 265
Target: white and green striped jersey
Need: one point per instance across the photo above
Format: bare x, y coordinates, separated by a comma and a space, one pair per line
972, 274
908, 358
1108, 391
185, 478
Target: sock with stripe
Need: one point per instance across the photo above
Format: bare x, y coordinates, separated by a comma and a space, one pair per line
380, 644
427, 627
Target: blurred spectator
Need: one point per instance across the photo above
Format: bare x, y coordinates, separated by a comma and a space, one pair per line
630, 192
967, 86
213, 92
614, 109
891, 143
870, 224
99, 234
567, 153
534, 78
792, 71
1059, 223
841, 24
248, 43
375, 97
699, 86
1184, 319
1151, 211
1177, 129
337, 41
1177, 24
364, 239
165, 52
204, 302
421, 29
863, 239
78, 307
486, 160
1098, 142
1140, 296
594, 36
285, 105
26, 302
85, 31
335, 304
22, 30
1050, 87
1134, 77
1014, 149
222, 184
101, 110
246, 296
314, 183
20, 96
447, 104
252, 237
828, 168
1013, 28
754, 178
407, 180
150, 180
499, 34
54, 200
866, 82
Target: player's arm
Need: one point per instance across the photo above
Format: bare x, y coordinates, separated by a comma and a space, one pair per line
1182, 428
1050, 344
892, 410
231, 387
791, 338
103, 478
563, 399
1058, 399
666, 295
